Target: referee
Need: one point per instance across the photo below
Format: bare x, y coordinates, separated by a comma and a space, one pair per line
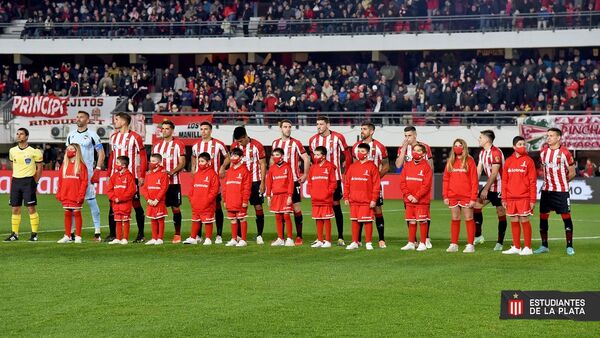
27, 169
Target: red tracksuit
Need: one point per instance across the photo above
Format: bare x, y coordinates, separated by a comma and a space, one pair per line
416, 180
203, 194
280, 187
362, 186
236, 191
121, 185
72, 186
321, 186
461, 186
155, 187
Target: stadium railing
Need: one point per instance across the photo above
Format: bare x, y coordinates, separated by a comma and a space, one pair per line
258, 27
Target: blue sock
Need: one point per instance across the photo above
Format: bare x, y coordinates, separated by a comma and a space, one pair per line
95, 210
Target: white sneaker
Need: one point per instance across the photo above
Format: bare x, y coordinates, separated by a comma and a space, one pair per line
124, 241
512, 251
208, 241
199, 239
159, 242
452, 248
369, 246
241, 243
151, 242
115, 241
470, 248
289, 242
317, 244
77, 240
499, 247
190, 240
326, 244
259, 240
278, 242
232, 242
408, 246
526, 251
479, 240
65, 239
428, 243
238, 238
218, 240
422, 247
352, 246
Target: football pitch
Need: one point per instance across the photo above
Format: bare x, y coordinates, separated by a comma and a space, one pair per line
93, 289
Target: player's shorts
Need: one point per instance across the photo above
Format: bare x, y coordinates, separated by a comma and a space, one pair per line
123, 210
519, 207
137, 195
338, 193
296, 196
560, 202
237, 214
203, 216
361, 213
493, 197
72, 205
322, 212
279, 204
173, 195
417, 212
23, 190
255, 196
379, 201
458, 202
157, 211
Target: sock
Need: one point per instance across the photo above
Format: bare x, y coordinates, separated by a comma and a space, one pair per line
379, 222
368, 232
126, 227
208, 229
288, 225
527, 233
219, 220
260, 222
239, 227
34, 219
568, 228
502, 225
428, 227
327, 223
161, 228
544, 228
139, 220
339, 220
516, 234
355, 228
112, 225
423, 228
95, 210
154, 226
454, 231
119, 229
279, 225
68, 222
78, 222
298, 221
15, 221
471, 228
478, 218
360, 229
244, 226
195, 229
319, 230
412, 232
177, 222
234, 229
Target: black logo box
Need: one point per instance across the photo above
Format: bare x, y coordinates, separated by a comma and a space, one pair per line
579, 306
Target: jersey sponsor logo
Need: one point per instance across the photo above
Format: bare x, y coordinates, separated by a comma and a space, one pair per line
27, 160
516, 170
359, 179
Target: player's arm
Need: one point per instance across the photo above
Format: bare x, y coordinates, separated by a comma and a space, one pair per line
376, 186
263, 172
306, 161
402, 154
492, 178
224, 165
101, 156
384, 167
532, 177
505, 182
194, 163
39, 163
180, 165
430, 157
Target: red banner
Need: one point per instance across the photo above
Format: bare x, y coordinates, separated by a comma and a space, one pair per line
579, 132
44, 106
187, 128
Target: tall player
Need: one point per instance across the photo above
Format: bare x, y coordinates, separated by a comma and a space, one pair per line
126, 142
90, 144
336, 146
293, 152
491, 161
559, 169
378, 154
256, 162
173, 161
405, 155
220, 160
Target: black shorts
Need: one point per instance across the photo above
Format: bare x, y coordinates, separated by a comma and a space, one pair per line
256, 198
560, 202
137, 195
218, 200
493, 197
338, 194
23, 190
173, 196
296, 196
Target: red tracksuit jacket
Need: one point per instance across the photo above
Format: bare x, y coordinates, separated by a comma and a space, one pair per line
519, 178
362, 183
461, 183
236, 191
322, 183
416, 180
121, 186
155, 186
72, 186
205, 190
280, 180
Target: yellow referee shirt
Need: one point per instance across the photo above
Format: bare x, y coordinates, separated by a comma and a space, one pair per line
24, 161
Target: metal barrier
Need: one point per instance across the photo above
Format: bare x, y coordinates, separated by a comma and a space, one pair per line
6, 109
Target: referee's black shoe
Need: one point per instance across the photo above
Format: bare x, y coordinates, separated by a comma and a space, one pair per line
109, 238
13, 237
33, 237
139, 239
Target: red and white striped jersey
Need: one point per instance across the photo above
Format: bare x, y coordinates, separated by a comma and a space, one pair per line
489, 158
335, 144
253, 153
292, 151
214, 147
128, 144
377, 153
170, 152
556, 163
408, 155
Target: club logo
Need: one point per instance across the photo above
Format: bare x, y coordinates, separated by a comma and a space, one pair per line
515, 306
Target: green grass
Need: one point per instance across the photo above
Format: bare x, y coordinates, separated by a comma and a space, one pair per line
174, 290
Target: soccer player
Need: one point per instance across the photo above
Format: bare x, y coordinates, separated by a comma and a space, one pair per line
126, 142
362, 186
491, 160
280, 187
236, 193
172, 152
254, 158
155, 190
459, 191
321, 187
336, 146
519, 179
377, 154
405, 155
415, 182
90, 144
121, 192
559, 169
293, 153
202, 198
27, 170
219, 160
72, 186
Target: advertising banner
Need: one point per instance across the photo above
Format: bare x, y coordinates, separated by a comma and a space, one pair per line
578, 132
187, 128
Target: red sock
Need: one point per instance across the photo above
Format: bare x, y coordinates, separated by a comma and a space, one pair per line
412, 232
195, 229
161, 228
470, 231
234, 229
154, 223
319, 230
516, 234
208, 228
68, 222
369, 232
244, 226
279, 225
78, 222
126, 230
423, 227
288, 225
327, 230
527, 233
454, 231
119, 225
355, 229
